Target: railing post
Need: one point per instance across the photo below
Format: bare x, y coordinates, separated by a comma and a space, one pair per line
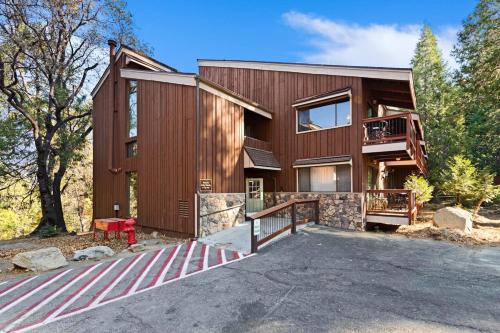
253, 237
316, 212
294, 219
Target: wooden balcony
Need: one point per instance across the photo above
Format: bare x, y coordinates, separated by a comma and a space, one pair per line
256, 143
395, 206
394, 138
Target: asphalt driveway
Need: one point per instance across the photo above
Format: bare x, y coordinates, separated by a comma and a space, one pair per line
320, 280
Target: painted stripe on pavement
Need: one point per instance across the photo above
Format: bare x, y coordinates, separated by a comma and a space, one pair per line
16, 285
32, 291
38, 305
117, 279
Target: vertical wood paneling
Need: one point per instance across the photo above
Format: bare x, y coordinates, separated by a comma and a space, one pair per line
277, 91
222, 144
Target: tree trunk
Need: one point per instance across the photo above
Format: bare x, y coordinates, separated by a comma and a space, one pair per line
50, 201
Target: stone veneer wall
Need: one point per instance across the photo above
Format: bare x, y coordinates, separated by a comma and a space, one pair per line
337, 209
213, 214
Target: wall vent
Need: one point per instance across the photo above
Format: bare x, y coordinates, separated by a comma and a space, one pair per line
183, 208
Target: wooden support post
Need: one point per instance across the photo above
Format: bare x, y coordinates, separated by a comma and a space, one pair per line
316, 212
294, 219
253, 238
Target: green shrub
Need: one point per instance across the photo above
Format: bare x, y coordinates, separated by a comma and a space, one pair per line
420, 185
459, 178
48, 231
484, 189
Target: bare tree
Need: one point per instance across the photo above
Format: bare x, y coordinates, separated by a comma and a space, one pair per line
49, 50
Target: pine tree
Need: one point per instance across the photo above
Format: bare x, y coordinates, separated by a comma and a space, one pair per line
434, 94
478, 54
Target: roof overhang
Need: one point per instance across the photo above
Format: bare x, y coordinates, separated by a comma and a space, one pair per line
133, 57
381, 73
189, 79
322, 161
401, 74
322, 98
254, 158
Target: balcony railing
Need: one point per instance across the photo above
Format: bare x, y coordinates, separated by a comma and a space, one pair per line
256, 143
394, 202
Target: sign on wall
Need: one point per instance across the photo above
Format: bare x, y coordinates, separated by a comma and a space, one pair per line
256, 227
206, 185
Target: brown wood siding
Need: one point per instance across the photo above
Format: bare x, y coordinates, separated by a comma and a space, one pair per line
277, 91
165, 164
166, 155
102, 178
221, 144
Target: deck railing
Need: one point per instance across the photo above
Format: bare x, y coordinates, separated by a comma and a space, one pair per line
256, 143
272, 222
395, 128
393, 202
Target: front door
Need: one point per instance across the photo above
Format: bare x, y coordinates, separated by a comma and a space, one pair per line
255, 194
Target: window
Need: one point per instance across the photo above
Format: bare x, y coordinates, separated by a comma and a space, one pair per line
132, 108
331, 115
132, 149
330, 178
132, 193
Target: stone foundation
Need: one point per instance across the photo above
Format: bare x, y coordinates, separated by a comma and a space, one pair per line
216, 213
337, 209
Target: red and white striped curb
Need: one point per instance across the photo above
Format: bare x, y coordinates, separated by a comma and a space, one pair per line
36, 301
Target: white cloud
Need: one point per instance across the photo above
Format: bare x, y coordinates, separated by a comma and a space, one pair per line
371, 45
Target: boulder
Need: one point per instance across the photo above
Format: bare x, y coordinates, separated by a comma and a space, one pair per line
453, 218
136, 247
95, 252
151, 242
154, 234
40, 260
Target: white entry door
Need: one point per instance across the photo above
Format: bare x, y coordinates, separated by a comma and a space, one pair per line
255, 194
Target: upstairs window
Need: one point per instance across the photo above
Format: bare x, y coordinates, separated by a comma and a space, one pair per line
331, 115
132, 108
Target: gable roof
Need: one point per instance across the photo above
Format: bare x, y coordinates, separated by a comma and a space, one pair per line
135, 57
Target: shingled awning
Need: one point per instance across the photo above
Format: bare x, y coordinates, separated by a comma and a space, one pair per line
343, 159
260, 159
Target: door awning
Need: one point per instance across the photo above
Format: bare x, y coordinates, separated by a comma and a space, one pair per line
260, 159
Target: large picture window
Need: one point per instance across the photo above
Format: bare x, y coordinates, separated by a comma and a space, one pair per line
329, 178
132, 108
132, 193
334, 114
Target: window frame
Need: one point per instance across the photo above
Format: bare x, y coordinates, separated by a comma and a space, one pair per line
128, 175
319, 103
297, 188
127, 96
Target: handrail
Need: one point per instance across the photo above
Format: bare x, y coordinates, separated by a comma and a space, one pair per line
223, 210
274, 209
255, 242
257, 143
394, 116
389, 191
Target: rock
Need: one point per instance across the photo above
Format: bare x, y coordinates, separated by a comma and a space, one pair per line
151, 242
136, 247
95, 252
453, 218
40, 260
154, 234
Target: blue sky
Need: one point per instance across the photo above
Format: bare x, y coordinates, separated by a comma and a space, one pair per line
373, 33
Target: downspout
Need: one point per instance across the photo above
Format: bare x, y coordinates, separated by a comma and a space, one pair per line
198, 158
112, 58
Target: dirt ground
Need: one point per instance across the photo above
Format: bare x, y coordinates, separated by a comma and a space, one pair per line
67, 244
486, 229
